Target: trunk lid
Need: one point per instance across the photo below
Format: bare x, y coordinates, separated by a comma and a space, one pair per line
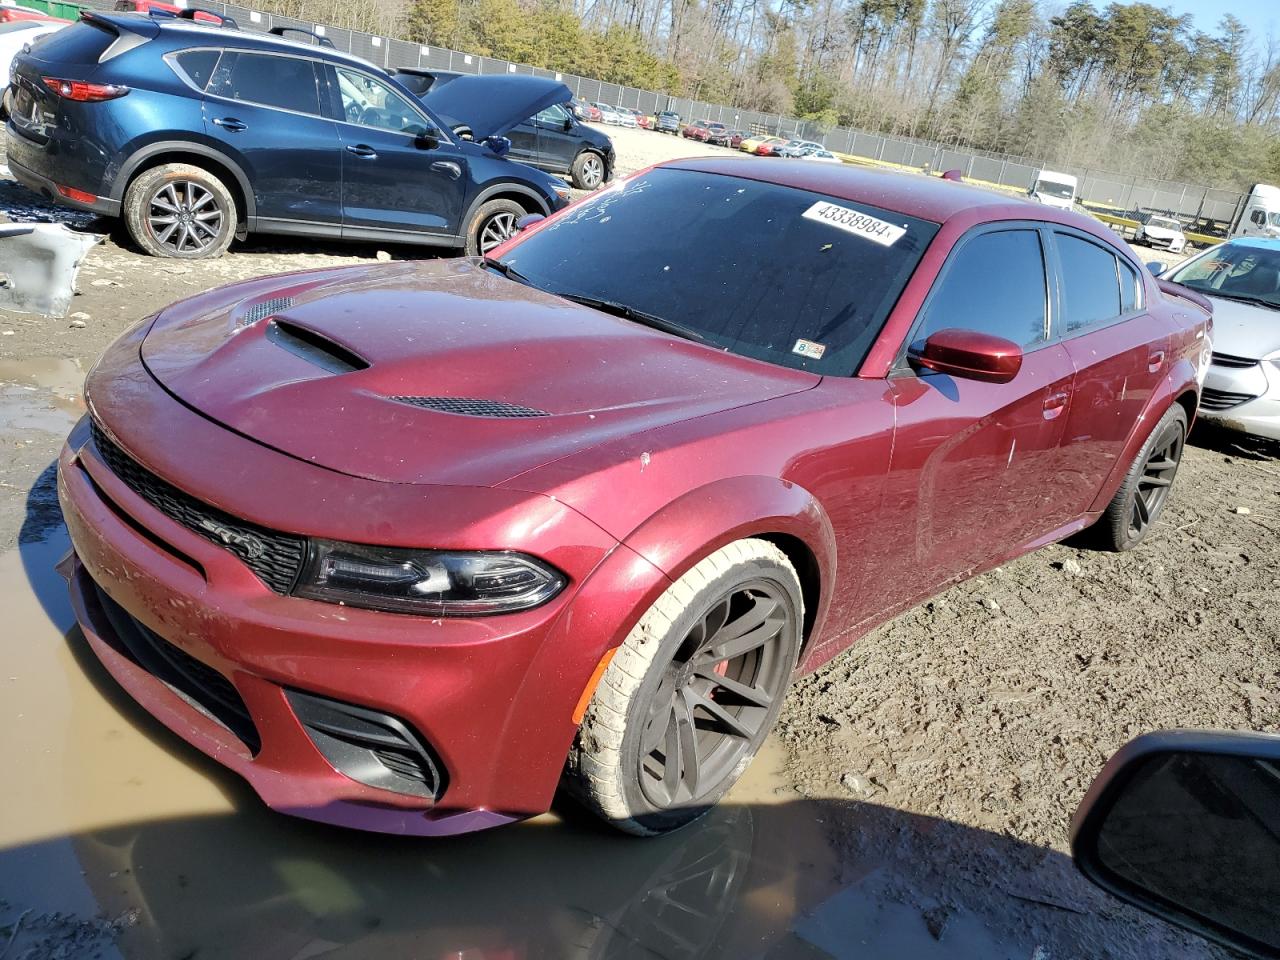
439, 373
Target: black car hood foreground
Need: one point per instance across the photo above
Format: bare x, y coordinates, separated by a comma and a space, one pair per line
491, 106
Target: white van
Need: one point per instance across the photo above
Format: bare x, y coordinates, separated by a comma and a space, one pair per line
1054, 189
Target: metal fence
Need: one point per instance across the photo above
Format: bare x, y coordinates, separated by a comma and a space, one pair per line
1199, 206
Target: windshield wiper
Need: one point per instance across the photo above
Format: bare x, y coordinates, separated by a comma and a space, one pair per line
507, 270
616, 309
1241, 298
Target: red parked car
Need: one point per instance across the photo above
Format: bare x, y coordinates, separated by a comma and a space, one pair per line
11, 13
406, 545
696, 130
150, 6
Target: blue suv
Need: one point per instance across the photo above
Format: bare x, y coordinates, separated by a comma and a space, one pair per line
195, 133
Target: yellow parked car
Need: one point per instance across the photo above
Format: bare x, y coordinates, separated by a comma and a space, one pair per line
753, 145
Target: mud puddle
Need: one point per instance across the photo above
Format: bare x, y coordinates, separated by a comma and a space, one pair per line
41, 395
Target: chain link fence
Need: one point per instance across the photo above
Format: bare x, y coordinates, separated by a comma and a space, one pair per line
1200, 207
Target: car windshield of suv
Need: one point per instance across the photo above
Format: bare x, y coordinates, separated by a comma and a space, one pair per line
1051, 188
1235, 271
762, 270
1164, 223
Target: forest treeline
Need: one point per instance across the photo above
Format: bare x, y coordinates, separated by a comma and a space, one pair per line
1126, 87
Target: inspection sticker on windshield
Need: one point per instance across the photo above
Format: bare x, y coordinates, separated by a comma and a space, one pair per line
851, 221
807, 348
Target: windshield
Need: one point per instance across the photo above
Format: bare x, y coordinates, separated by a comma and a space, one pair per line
766, 271
1051, 188
1234, 270
1164, 223
1273, 218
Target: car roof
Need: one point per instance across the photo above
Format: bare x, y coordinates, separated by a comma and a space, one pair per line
928, 198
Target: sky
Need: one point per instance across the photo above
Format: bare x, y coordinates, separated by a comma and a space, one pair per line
1262, 17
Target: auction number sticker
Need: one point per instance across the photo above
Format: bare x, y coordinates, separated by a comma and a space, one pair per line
851, 221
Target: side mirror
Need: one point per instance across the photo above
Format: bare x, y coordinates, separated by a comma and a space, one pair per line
1155, 267
499, 145
968, 354
1186, 825
527, 221
568, 124
425, 141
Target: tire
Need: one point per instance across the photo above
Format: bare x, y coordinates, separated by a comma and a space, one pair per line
1142, 497
181, 211
587, 171
492, 219
659, 686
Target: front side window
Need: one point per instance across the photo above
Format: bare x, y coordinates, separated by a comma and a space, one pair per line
287, 83
994, 284
554, 116
1051, 188
370, 103
1258, 217
1238, 271
1090, 284
761, 270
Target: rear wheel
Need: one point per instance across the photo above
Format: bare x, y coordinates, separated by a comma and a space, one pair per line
1144, 494
692, 693
493, 223
180, 210
588, 170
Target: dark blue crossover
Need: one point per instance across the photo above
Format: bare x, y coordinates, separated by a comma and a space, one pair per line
195, 133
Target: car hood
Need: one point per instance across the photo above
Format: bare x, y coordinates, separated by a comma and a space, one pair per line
1243, 330
358, 371
492, 105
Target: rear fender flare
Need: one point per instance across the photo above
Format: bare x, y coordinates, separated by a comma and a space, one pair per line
151, 150
1180, 379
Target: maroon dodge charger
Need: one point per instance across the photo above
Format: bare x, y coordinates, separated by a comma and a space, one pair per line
408, 546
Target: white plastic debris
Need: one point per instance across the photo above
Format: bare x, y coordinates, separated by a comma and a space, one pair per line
38, 266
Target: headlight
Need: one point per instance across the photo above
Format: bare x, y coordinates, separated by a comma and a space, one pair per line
430, 583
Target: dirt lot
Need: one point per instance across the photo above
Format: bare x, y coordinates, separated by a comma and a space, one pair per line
916, 802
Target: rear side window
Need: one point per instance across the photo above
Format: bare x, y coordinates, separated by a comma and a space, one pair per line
995, 284
197, 65
288, 83
1090, 285
82, 42
1130, 288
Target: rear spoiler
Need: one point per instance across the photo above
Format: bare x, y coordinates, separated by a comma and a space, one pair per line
1171, 289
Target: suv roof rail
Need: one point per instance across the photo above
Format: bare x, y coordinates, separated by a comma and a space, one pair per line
318, 37
227, 23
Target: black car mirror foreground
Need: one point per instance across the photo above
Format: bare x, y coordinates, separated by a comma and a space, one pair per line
568, 124
1186, 825
528, 220
1155, 267
426, 141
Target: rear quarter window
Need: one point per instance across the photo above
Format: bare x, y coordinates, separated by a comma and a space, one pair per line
82, 42
198, 65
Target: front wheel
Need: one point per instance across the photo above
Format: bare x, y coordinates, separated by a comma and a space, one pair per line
588, 170
692, 692
1144, 494
492, 224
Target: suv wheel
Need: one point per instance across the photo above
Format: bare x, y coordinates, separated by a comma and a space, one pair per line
493, 223
588, 170
180, 210
692, 692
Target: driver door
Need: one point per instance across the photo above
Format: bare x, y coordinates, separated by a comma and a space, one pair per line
393, 183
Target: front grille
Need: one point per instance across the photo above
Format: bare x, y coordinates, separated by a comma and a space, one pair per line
276, 558
402, 763
1216, 401
472, 407
264, 309
1227, 360
201, 686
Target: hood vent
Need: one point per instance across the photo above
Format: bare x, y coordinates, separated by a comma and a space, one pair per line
264, 309
472, 407
314, 348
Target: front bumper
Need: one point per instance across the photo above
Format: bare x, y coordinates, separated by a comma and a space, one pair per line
1243, 396
493, 698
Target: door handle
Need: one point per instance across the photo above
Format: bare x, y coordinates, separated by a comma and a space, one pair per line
1055, 403
448, 168
1155, 361
363, 152
231, 123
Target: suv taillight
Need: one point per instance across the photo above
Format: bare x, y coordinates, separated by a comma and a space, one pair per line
85, 92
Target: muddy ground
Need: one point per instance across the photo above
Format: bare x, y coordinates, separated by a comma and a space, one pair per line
915, 802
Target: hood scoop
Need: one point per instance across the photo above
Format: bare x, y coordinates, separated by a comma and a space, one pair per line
263, 309
473, 407
314, 348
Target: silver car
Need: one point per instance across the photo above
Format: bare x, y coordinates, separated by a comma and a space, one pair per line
1242, 278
